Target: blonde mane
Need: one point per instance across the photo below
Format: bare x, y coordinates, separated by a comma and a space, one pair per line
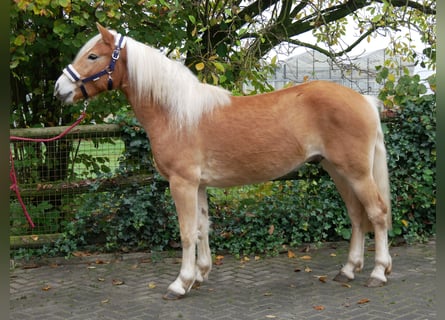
171, 84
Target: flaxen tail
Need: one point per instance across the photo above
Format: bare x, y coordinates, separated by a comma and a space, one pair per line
380, 166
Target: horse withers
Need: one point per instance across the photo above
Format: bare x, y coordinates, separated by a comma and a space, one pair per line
202, 136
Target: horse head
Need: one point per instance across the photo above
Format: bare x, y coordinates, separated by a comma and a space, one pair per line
97, 67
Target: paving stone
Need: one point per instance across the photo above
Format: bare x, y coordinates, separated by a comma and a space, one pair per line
265, 289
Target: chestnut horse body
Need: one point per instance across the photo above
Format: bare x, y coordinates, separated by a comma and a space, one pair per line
202, 136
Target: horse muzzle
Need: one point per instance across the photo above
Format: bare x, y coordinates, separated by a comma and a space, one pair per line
64, 89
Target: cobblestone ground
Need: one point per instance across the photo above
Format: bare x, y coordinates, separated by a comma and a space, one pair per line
131, 286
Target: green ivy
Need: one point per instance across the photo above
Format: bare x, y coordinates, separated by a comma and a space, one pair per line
412, 165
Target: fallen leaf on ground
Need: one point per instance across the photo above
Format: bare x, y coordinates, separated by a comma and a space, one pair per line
333, 254
346, 285
117, 282
257, 258
297, 269
105, 301
101, 279
306, 258
307, 269
271, 316
362, 301
46, 288
81, 254
290, 254
151, 285
322, 278
35, 237
318, 308
267, 294
219, 260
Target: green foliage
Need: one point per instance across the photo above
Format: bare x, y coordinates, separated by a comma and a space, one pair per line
133, 217
44, 214
261, 219
137, 156
412, 151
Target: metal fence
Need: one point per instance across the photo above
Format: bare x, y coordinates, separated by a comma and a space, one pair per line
54, 177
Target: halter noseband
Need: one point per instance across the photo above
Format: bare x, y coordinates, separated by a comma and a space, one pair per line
74, 76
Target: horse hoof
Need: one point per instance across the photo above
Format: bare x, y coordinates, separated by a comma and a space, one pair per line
196, 285
170, 295
374, 283
341, 277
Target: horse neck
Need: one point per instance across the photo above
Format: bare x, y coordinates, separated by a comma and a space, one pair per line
153, 117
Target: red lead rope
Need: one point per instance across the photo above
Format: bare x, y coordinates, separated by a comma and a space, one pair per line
14, 184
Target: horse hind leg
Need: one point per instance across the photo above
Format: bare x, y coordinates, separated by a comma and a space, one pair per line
377, 211
359, 222
381, 222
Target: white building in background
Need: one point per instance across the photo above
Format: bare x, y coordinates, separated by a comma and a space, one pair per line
358, 74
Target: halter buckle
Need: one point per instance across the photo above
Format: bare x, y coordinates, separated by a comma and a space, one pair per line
116, 54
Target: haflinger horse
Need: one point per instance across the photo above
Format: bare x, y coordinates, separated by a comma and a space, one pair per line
201, 136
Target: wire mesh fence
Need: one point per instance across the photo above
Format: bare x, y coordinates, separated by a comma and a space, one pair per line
54, 177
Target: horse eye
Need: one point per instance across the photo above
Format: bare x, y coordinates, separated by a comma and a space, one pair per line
92, 56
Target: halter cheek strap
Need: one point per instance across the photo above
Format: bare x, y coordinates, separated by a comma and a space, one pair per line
74, 76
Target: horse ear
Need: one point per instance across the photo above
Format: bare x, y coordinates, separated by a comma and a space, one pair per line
107, 36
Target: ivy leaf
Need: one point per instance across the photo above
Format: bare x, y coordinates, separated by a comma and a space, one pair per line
192, 19
19, 40
219, 66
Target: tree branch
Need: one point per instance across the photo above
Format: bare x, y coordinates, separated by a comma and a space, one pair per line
331, 54
414, 5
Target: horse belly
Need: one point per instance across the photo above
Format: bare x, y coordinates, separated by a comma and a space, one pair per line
226, 170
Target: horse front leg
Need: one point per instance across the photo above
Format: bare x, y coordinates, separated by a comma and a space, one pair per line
185, 196
204, 262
